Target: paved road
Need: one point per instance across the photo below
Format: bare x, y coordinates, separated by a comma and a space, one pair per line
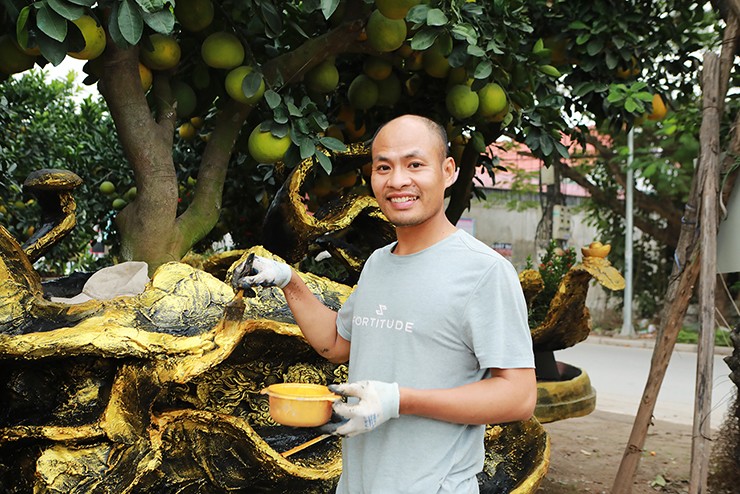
619, 374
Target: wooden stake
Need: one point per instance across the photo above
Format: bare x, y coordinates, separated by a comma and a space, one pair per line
709, 160
680, 288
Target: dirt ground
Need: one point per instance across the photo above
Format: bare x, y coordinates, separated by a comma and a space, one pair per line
586, 453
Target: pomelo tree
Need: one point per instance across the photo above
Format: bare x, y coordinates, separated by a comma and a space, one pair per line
216, 101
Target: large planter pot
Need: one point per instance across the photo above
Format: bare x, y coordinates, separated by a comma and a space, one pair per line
571, 396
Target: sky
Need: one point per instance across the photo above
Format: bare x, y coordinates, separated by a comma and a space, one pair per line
67, 65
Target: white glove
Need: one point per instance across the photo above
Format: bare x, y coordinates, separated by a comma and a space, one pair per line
261, 271
378, 403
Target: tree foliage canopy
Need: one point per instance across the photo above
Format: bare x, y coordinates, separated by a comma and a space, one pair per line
560, 64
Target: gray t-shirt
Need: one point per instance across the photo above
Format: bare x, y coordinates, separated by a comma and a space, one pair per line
438, 318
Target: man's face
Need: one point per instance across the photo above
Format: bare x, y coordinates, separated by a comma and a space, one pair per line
409, 174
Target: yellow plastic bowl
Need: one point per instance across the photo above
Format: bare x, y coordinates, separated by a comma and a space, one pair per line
300, 404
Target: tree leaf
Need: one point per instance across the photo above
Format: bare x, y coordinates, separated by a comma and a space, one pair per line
549, 70
68, 11
472, 9
328, 7
650, 170
307, 147
293, 110
273, 99
114, 31
299, 29
435, 17
54, 51
279, 129
583, 88
546, 144
301, 127
494, 47
273, 21
630, 105
21, 29
280, 115
612, 60
130, 22
307, 106
594, 46
562, 150
465, 31
162, 22
84, 3
424, 38
51, 23
483, 69
457, 57
333, 144
320, 119
324, 161
151, 6
476, 51
532, 139
659, 481
479, 142
418, 13
251, 83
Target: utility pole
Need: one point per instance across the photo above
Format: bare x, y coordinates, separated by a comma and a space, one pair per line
627, 329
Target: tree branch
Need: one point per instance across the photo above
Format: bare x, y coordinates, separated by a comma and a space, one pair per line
205, 209
665, 235
120, 85
644, 202
342, 39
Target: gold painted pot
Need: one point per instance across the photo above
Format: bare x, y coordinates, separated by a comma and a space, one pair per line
571, 397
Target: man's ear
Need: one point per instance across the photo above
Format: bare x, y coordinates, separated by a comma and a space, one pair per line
450, 171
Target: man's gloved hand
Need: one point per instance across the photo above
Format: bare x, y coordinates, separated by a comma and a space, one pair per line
261, 271
378, 403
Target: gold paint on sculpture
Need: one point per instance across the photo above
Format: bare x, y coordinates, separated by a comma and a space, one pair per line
565, 391
53, 189
568, 320
291, 231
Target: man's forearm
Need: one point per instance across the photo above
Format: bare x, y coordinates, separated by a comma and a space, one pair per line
509, 395
317, 322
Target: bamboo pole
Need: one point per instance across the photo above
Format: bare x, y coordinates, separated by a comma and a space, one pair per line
709, 160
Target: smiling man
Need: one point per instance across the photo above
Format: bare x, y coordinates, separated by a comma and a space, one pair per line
435, 332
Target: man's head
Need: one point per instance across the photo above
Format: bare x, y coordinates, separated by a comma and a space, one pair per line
411, 170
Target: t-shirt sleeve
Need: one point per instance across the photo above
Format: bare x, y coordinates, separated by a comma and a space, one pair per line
498, 320
344, 318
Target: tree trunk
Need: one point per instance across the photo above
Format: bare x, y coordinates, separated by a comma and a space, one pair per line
461, 191
149, 227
